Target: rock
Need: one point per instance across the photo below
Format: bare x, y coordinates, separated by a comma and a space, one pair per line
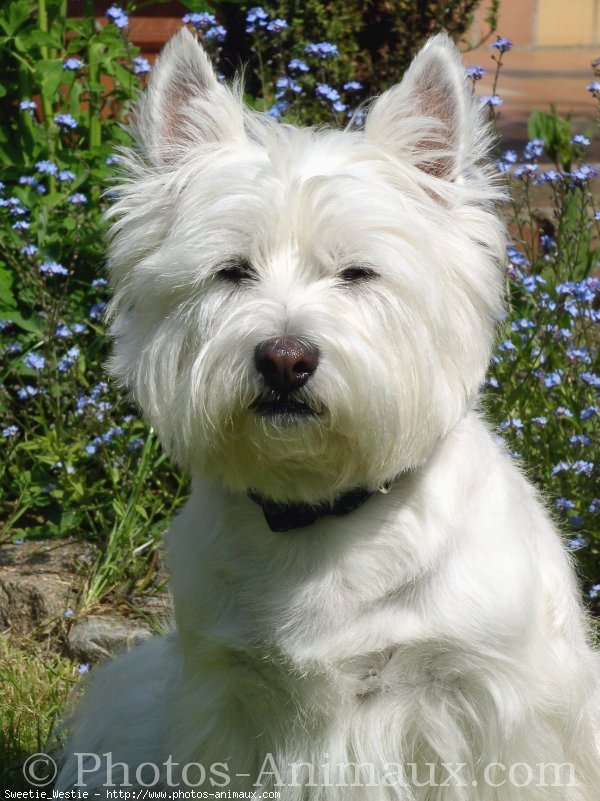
96, 638
38, 581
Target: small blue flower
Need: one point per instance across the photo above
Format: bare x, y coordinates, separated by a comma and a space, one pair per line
256, 17
53, 268
278, 109
69, 360
590, 378
118, 17
66, 175
526, 171
297, 65
581, 467
339, 106
326, 92
580, 439
564, 503
18, 210
357, 117
594, 87
580, 139
502, 44
66, 121
96, 311
553, 379
47, 167
576, 543
547, 242
493, 382
141, 65
491, 100
510, 156
217, 34
135, 444
550, 177
353, 86
507, 345
27, 392
512, 422
201, 22
83, 668
78, 199
79, 328
13, 348
534, 149
579, 354
522, 325
9, 432
588, 412
540, 421
21, 225
594, 591
28, 105
112, 160
68, 613
582, 174
516, 257
115, 431
476, 73
277, 25
285, 84
34, 361
322, 50
97, 283
73, 64
5, 324
562, 411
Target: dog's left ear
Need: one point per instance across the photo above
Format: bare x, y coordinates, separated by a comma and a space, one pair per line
430, 118
185, 104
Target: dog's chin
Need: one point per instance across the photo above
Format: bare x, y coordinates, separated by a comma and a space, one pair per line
284, 411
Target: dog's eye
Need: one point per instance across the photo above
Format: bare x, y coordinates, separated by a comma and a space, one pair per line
356, 273
236, 271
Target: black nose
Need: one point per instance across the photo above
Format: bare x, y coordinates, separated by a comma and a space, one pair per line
286, 364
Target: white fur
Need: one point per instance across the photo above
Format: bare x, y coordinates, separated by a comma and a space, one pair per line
437, 623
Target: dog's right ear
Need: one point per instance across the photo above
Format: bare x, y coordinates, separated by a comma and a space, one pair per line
185, 104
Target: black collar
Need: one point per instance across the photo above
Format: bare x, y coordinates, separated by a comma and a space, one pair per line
287, 516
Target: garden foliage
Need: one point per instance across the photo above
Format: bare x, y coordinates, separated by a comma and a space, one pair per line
77, 460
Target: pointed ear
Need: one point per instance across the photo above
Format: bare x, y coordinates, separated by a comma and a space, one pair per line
431, 118
184, 104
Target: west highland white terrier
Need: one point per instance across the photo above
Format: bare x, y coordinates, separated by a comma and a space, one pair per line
371, 601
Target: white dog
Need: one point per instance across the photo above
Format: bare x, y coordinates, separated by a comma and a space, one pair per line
371, 601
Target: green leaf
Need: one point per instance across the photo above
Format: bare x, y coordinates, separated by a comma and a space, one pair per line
50, 74
7, 298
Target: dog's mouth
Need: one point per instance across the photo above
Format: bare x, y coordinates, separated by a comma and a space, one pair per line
283, 410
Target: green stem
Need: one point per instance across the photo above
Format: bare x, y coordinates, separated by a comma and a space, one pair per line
46, 101
94, 51
43, 24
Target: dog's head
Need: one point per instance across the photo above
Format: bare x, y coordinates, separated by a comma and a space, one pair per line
299, 312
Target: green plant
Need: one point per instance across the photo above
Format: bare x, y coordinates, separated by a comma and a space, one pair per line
77, 459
